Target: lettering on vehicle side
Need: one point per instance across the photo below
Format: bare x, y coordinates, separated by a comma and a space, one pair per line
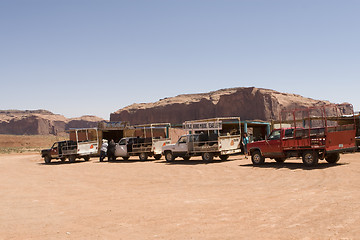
217, 125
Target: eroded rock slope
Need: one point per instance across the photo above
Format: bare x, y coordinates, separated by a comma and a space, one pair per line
248, 103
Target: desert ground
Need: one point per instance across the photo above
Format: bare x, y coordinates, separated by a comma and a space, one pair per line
181, 200
28, 143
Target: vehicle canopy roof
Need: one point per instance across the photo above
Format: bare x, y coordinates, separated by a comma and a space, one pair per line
221, 125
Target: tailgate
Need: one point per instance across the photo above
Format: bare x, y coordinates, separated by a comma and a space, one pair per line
229, 144
157, 145
340, 140
87, 148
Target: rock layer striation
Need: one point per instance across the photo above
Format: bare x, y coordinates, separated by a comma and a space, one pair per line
249, 103
33, 122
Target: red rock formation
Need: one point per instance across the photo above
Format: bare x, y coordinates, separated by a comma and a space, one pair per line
248, 103
41, 122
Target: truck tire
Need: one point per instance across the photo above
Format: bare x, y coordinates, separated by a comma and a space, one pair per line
63, 159
257, 158
310, 158
169, 157
157, 156
333, 158
87, 158
224, 157
47, 159
186, 158
207, 156
143, 156
72, 158
125, 158
280, 160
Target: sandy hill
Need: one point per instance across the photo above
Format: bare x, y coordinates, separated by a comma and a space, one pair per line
32, 122
248, 103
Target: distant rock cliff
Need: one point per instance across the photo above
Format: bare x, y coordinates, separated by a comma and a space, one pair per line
248, 103
41, 122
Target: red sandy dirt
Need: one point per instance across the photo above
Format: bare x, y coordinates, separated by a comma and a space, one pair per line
181, 200
29, 141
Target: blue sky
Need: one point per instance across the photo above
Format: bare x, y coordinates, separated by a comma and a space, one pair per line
78, 57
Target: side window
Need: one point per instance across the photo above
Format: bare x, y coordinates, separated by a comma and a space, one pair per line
275, 135
289, 133
182, 140
122, 142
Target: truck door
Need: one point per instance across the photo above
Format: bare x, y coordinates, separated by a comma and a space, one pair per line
272, 147
121, 148
54, 150
182, 145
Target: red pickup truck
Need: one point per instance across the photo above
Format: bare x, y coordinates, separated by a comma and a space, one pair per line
310, 136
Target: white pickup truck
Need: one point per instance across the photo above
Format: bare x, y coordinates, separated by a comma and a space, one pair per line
207, 138
82, 144
147, 143
142, 147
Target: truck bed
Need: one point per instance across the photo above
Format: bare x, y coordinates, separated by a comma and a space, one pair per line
331, 139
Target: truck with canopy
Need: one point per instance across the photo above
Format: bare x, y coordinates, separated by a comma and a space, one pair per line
311, 133
143, 141
209, 138
82, 144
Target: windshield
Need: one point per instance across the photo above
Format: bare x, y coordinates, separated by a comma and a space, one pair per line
54, 145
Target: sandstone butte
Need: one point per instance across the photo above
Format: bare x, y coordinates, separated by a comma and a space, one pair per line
34, 122
249, 103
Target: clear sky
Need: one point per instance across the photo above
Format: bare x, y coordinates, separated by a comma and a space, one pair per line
78, 57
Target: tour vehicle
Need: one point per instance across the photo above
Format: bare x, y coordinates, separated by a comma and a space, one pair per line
312, 133
208, 138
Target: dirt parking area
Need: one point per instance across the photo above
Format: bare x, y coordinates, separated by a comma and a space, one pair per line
181, 200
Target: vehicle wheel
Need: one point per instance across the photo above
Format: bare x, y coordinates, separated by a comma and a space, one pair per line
310, 158
87, 158
333, 158
224, 157
257, 158
143, 156
72, 158
63, 159
157, 156
280, 160
47, 159
207, 156
125, 158
169, 157
186, 158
